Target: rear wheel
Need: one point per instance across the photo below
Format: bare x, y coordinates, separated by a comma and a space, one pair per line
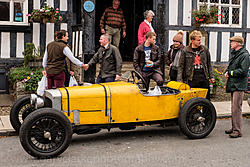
19, 111
45, 133
197, 118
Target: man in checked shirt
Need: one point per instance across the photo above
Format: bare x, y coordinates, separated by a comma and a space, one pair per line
195, 64
112, 21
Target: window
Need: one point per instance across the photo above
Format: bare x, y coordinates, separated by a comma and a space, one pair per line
229, 10
13, 12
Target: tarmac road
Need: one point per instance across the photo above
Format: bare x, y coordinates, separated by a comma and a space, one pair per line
145, 146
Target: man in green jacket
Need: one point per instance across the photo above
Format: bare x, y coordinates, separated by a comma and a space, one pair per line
237, 83
110, 60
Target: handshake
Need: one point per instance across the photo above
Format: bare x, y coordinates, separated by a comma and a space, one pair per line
85, 66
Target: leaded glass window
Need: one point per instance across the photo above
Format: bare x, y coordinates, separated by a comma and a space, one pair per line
229, 12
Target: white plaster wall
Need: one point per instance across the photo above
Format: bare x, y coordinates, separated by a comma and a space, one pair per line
73, 42
5, 45
19, 45
173, 12
49, 33
51, 3
185, 38
238, 34
171, 35
248, 14
187, 8
74, 49
213, 45
63, 5
225, 47
36, 4
64, 26
36, 34
248, 42
80, 51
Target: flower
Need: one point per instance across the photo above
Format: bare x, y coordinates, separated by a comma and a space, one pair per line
217, 82
46, 12
205, 15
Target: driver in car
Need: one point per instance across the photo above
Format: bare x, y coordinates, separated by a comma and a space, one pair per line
147, 60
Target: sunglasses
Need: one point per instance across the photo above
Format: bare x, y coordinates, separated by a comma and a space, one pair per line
176, 41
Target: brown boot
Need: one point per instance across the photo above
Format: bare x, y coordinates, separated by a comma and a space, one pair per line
229, 131
235, 134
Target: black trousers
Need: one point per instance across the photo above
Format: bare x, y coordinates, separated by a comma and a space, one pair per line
200, 81
173, 74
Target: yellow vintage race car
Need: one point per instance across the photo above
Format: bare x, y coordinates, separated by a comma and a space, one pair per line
47, 130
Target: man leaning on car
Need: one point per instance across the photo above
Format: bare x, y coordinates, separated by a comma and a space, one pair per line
110, 60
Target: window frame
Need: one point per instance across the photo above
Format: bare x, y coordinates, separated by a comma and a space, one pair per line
231, 6
25, 12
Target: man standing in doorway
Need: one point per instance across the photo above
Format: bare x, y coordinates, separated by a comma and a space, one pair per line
112, 21
195, 64
147, 60
110, 59
237, 83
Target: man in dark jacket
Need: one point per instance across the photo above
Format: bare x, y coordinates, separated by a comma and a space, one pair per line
147, 60
195, 64
237, 83
110, 59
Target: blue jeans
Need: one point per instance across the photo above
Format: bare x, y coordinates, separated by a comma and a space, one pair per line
104, 80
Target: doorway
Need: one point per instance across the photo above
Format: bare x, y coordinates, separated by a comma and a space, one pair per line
133, 13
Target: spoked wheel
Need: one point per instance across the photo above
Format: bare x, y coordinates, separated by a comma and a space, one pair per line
197, 118
139, 80
19, 111
45, 133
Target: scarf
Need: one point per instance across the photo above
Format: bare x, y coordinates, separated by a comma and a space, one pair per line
176, 59
150, 25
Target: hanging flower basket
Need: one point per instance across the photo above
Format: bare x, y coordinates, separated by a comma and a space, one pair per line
45, 14
205, 15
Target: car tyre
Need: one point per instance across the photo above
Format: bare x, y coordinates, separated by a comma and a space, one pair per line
19, 111
45, 133
197, 118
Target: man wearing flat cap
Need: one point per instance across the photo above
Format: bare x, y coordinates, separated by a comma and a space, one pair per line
236, 74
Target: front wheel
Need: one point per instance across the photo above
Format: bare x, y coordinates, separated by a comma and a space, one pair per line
197, 118
19, 111
45, 133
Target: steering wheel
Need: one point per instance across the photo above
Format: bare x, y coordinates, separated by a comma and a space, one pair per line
139, 81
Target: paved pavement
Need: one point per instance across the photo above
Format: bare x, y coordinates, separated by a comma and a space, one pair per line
222, 108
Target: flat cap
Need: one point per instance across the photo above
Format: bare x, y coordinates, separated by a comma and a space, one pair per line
237, 39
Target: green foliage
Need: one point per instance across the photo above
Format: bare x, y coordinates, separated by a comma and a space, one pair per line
31, 53
28, 76
218, 83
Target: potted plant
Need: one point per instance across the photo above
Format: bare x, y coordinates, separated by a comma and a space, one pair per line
24, 79
32, 56
218, 83
45, 14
